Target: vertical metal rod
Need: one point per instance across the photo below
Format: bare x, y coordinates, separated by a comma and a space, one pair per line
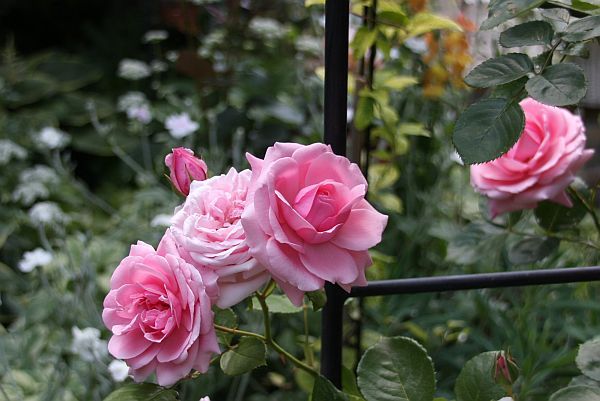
337, 14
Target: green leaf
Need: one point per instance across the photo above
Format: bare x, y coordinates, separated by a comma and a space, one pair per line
583, 29
559, 85
30, 89
69, 72
422, 23
577, 393
476, 383
317, 298
324, 390
528, 34
399, 82
277, 304
363, 39
488, 129
142, 392
349, 384
500, 70
554, 217
365, 112
531, 250
396, 369
512, 90
503, 10
588, 359
308, 3
226, 318
249, 354
413, 129
591, 7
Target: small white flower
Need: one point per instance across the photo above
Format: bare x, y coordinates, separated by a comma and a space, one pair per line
87, 344
29, 192
309, 44
133, 69
39, 173
180, 125
155, 36
36, 258
506, 399
140, 113
46, 213
158, 66
131, 99
267, 27
417, 45
161, 220
10, 150
119, 370
52, 138
204, 399
172, 56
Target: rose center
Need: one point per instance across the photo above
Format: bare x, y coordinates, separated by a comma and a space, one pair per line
318, 204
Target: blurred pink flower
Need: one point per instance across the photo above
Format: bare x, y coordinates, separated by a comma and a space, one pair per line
208, 228
184, 168
540, 166
309, 222
160, 315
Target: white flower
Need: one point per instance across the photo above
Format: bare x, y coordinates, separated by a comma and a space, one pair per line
506, 399
119, 370
33, 259
87, 344
161, 220
267, 27
158, 66
133, 69
131, 99
417, 45
29, 192
140, 113
180, 125
204, 399
52, 138
172, 56
39, 173
9, 149
309, 44
46, 213
155, 36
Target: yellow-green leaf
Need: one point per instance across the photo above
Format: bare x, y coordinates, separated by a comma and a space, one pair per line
425, 22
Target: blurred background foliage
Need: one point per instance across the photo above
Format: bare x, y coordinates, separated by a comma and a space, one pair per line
105, 77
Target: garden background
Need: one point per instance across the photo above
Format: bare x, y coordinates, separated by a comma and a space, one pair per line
94, 95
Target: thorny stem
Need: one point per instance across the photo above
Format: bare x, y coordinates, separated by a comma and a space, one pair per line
589, 208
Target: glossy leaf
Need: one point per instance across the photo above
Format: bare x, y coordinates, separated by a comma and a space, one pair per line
500, 70
226, 318
531, 250
249, 354
475, 381
503, 10
559, 85
277, 304
142, 392
577, 393
396, 369
528, 34
324, 390
583, 29
488, 129
588, 359
363, 39
591, 7
317, 298
554, 217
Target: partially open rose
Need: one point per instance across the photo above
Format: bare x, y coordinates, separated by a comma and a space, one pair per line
540, 166
309, 222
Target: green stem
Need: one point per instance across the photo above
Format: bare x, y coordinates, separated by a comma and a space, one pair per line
587, 207
239, 332
271, 343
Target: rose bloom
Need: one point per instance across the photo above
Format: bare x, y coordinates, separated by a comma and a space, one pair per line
184, 167
309, 221
159, 312
209, 229
540, 166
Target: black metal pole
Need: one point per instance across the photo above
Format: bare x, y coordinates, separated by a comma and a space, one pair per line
478, 281
337, 13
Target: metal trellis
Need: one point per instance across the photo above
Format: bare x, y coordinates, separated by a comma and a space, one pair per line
337, 13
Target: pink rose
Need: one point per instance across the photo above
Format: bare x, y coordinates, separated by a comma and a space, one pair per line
160, 315
208, 228
540, 166
309, 222
184, 168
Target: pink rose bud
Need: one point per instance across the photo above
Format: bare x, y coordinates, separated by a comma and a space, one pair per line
540, 166
185, 168
505, 369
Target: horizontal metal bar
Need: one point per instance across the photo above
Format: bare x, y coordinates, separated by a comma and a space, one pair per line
477, 281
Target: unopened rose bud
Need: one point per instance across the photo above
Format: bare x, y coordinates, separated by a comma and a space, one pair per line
505, 369
185, 168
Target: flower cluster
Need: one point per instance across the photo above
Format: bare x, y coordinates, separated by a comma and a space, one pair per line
299, 217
